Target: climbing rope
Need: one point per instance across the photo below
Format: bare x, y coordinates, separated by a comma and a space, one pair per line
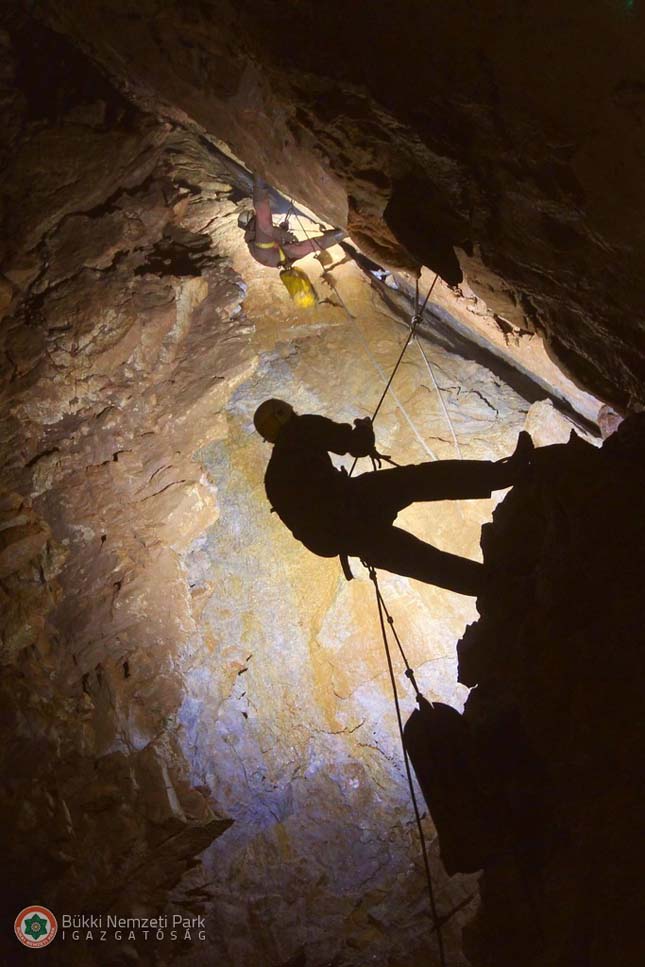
375, 363
290, 211
299, 220
416, 318
418, 313
382, 610
413, 328
408, 419
440, 395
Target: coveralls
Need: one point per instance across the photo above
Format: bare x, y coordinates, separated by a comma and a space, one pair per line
332, 513
274, 246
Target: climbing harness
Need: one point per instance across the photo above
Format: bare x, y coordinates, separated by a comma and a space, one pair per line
269, 245
296, 281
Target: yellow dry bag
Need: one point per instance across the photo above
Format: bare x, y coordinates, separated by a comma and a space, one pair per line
299, 288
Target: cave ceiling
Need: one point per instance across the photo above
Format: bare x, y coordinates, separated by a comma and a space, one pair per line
502, 143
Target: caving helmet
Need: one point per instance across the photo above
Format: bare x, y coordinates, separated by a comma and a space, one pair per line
270, 417
244, 219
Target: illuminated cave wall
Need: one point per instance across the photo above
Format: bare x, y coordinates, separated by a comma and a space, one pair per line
288, 710
505, 138
197, 712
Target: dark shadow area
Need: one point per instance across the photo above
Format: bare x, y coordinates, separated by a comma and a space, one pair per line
179, 253
422, 221
540, 782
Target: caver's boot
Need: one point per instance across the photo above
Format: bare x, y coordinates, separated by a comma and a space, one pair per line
520, 460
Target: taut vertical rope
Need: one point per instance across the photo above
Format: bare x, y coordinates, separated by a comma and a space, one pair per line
416, 319
382, 610
417, 815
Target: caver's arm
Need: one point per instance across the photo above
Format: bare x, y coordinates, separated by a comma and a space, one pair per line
339, 438
263, 216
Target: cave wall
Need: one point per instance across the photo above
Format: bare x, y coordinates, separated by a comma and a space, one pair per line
134, 567
172, 660
288, 712
109, 302
511, 137
555, 717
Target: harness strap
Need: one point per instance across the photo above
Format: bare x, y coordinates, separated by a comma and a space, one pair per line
344, 563
274, 244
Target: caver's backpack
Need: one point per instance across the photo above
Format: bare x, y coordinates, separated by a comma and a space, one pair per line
440, 747
299, 287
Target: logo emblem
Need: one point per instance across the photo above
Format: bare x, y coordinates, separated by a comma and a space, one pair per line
35, 926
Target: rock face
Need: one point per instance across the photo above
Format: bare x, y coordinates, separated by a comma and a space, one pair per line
503, 143
111, 298
195, 712
556, 659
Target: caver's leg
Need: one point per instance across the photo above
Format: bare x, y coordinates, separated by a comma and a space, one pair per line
437, 480
395, 550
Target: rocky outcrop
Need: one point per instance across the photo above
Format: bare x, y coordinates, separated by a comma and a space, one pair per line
112, 292
556, 659
503, 144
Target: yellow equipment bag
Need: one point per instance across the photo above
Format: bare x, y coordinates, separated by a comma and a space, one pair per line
299, 288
